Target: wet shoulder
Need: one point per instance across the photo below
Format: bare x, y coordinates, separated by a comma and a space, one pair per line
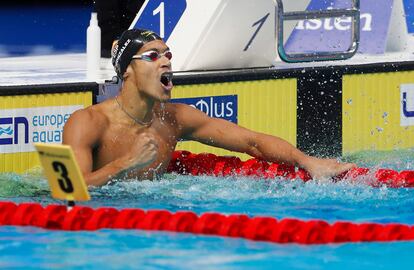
176, 110
92, 117
183, 112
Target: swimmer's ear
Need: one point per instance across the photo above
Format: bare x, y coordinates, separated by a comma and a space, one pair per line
127, 72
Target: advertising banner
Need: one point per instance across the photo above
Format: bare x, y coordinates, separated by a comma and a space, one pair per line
224, 107
334, 34
378, 111
407, 105
29, 119
267, 106
20, 128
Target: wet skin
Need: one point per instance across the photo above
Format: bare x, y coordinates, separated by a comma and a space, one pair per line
119, 137
109, 143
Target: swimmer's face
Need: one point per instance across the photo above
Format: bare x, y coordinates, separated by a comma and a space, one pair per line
146, 72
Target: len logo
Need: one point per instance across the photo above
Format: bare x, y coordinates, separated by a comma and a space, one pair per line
11, 126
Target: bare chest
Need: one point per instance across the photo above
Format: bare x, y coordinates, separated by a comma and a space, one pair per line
119, 141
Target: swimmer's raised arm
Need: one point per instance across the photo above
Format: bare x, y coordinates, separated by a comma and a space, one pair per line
196, 125
83, 132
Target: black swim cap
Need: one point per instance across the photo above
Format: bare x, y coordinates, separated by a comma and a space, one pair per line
127, 46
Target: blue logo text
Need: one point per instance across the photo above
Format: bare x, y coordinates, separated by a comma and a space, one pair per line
224, 107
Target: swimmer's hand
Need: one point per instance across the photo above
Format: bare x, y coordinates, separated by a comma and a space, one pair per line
142, 153
322, 169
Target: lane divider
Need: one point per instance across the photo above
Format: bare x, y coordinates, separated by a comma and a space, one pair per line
59, 217
67, 183
184, 162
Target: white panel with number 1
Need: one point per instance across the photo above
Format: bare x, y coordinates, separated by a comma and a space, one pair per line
214, 34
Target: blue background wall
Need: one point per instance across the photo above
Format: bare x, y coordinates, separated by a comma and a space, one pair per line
41, 27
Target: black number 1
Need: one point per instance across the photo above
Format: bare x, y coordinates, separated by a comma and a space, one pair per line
65, 183
260, 23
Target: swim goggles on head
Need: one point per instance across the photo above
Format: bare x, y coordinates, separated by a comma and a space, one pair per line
152, 56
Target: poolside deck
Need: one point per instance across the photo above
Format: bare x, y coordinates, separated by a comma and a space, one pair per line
71, 68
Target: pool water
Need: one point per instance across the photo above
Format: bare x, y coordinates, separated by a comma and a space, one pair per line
29, 247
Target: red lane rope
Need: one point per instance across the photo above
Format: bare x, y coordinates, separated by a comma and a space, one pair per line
184, 162
269, 229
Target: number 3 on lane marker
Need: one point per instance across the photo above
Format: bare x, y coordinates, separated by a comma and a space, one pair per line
62, 172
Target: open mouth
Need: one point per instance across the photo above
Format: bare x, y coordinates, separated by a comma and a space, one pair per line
166, 78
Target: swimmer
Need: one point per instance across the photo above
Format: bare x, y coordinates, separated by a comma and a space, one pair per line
133, 135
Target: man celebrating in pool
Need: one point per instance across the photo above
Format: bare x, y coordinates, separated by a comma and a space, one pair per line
133, 135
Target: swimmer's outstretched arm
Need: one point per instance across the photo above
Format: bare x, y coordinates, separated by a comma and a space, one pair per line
198, 126
82, 132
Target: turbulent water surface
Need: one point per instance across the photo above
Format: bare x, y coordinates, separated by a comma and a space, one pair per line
32, 247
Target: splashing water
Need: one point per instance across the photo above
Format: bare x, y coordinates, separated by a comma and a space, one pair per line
278, 197
346, 200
